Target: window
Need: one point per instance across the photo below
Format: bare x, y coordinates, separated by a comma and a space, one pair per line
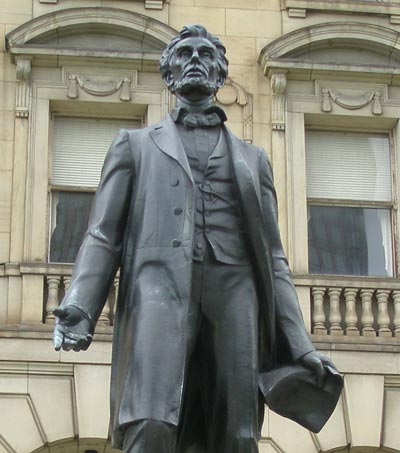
80, 146
349, 193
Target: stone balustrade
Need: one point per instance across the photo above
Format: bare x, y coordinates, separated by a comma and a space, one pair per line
335, 308
57, 285
36, 289
353, 306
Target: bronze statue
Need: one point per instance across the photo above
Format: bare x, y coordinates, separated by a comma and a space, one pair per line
206, 309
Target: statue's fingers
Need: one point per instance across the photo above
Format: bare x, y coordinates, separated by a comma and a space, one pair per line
60, 312
324, 358
58, 338
326, 362
87, 342
68, 344
81, 344
75, 336
321, 373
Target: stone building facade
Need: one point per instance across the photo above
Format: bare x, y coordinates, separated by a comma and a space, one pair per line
315, 82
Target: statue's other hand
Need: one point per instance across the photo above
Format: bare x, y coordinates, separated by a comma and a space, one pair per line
73, 330
316, 362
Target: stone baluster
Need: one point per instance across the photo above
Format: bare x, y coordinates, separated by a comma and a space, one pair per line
67, 282
367, 317
396, 303
382, 296
318, 313
116, 289
335, 317
53, 285
351, 315
105, 314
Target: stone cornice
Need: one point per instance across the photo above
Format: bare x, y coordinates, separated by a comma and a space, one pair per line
354, 6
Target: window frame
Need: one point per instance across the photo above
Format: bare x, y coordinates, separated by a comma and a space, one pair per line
303, 111
53, 188
151, 101
390, 206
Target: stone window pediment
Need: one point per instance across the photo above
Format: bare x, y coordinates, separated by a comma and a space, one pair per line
349, 47
91, 32
344, 52
98, 37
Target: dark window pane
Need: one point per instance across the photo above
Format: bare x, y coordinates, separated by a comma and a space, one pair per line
71, 220
349, 241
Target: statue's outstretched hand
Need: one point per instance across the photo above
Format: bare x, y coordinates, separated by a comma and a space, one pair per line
317, 362
73, 329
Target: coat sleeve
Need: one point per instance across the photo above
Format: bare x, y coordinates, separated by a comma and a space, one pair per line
290, 321
100, 253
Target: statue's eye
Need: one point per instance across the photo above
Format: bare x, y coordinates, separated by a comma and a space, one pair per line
184, 53
206, 54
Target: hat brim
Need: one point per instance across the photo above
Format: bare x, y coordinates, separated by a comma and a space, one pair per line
293, 392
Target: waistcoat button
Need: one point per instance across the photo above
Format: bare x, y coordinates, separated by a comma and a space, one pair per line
178, 211
176, 243
175, 182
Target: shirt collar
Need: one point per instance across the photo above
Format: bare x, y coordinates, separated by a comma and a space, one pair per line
178, 112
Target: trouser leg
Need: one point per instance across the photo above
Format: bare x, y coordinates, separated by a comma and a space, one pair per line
192, 433
229, 344
150, 436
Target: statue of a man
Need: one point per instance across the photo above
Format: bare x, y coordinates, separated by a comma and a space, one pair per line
188, 213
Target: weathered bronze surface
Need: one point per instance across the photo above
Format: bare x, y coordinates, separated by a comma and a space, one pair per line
208, 324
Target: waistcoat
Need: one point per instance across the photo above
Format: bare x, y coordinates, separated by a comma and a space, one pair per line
218, 222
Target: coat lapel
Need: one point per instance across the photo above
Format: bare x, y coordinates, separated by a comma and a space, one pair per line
249, 194
250, 201
165, 136
245, 177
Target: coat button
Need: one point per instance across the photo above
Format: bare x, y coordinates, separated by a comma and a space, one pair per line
175, 182
178, 211
176, 243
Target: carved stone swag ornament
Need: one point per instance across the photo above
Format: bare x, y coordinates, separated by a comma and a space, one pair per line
351, 102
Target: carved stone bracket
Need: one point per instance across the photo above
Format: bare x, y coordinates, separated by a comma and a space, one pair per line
24, 89
297, 12
233, 93
278, 88
351, 102
153, 4
99, 86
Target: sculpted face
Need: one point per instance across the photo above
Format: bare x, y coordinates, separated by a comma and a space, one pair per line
194, 68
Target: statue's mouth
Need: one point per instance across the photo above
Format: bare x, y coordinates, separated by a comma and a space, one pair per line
194, 72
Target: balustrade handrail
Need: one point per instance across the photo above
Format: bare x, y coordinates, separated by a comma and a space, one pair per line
313, 280
37, 268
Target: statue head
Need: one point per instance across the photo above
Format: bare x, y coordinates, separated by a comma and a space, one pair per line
194, 64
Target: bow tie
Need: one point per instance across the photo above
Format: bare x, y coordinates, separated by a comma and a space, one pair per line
212, 116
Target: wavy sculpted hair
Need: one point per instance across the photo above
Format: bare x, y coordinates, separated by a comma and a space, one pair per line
199, 31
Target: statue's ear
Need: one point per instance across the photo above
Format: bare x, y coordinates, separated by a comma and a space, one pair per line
168, 79
221, 81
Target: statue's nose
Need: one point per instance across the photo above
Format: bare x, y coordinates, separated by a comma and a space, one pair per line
195, 56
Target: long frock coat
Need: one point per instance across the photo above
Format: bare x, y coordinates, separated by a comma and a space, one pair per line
133, 226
